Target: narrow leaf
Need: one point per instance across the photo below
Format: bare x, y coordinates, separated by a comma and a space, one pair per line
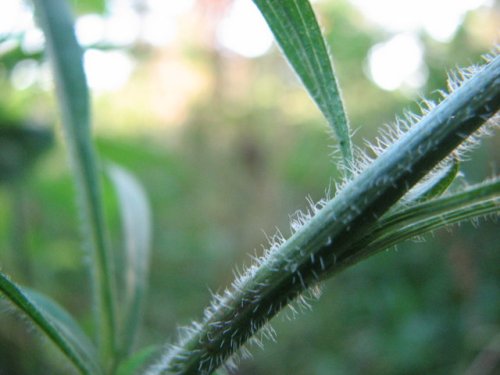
472, 195
491, 206
436, 185
480, 200
297, 32
56, 323
66, 56
136, 361
136, 222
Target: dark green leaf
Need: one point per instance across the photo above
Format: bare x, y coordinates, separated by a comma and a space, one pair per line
20, 147
436, 185
296, 30
421, 218
56, 323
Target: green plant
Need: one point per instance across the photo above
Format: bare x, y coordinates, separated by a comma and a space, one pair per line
381, 202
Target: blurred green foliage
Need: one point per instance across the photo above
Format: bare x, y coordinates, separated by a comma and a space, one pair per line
240, 165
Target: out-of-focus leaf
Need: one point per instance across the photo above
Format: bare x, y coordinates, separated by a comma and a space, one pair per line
89, 6
136, 221
66, 56
20, 147
56, 323
9, 59
296, 30
136, 361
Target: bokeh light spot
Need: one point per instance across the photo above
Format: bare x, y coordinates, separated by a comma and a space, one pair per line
397, 63
107, 70
244, 30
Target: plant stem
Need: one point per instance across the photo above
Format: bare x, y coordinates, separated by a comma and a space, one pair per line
286, 272
73, 96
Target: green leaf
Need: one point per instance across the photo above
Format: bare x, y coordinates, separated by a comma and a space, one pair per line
136, 222
479, 200
89, 6
20, 147
296, 30
66, 56
137, 360
56, 323
421, 211
436, 185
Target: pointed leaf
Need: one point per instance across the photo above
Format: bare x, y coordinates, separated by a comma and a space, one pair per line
136, 222
56, 323
419, 228
66, 56
479, 200
436, 185
421, 211
296, 30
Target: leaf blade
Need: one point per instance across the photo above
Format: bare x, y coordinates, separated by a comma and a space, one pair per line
297, 32
436, 185
136, 228
46, 314
479, 200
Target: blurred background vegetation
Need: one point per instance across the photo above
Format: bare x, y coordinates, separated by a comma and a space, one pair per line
194, 99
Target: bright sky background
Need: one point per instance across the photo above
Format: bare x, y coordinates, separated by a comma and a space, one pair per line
393, 64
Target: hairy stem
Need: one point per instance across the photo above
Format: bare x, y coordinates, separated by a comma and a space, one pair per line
284, 273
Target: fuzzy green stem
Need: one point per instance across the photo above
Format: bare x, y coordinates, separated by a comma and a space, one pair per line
315, 249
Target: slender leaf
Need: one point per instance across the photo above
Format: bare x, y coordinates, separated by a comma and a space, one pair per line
136, 222
472, 195
296, 30
56, 323
480, 200
436, 185
419, 228
136, 361
66, 57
